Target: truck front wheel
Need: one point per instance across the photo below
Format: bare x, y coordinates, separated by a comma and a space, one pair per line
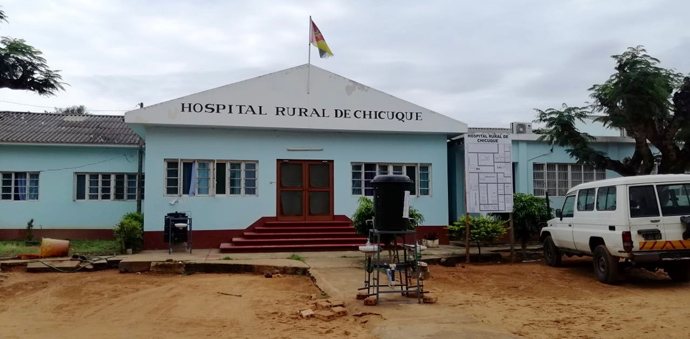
605, 265
552, 255
679, 272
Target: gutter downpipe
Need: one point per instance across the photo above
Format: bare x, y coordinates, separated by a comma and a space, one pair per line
140, 180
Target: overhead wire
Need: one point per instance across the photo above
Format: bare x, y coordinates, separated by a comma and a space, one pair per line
80, 166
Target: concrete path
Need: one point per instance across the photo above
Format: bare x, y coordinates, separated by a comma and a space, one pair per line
402, 317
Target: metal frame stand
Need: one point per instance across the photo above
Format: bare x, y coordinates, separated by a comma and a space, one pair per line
406, 267
189, 235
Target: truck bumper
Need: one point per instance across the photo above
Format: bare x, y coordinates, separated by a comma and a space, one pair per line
659, 256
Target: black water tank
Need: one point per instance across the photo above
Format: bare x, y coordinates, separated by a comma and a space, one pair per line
389, 200
178, 235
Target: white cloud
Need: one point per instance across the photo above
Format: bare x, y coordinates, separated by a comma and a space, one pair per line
486, 63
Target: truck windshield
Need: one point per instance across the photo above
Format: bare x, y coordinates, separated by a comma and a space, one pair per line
674, 199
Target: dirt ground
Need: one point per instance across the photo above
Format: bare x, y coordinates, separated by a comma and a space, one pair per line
529, 300
533, 300
112, 305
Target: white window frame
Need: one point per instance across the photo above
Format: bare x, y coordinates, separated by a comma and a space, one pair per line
561, 191
28, 185
99, 175
243, 178
389, 170
213, 177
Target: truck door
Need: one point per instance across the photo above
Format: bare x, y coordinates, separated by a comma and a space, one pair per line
674, 200
585, 224
645, 220
563, 229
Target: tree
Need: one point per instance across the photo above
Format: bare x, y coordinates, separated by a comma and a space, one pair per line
650, 103
23, 68
483, 229
81, 109
530, 214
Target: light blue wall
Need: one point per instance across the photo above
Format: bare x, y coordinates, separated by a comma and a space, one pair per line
223, 212
56, 207
525, 154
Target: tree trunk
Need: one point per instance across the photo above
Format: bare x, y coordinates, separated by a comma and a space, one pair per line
479, 247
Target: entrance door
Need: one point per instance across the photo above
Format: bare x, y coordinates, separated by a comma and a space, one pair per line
305, 190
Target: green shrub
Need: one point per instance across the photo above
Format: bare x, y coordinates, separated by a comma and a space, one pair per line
483, 230
530, 214
365, 212
129, 232
136, 216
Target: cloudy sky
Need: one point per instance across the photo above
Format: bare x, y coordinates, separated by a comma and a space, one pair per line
487, 63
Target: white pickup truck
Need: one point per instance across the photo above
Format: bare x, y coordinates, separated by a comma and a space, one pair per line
642, 220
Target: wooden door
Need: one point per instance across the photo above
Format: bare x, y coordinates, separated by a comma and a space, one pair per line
305, 190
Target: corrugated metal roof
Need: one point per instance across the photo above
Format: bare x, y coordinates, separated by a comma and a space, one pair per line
52, 128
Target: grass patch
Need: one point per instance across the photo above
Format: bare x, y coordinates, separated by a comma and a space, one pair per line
226, 258
296, 257
84, 247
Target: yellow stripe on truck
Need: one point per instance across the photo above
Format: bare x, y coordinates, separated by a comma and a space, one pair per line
664, 245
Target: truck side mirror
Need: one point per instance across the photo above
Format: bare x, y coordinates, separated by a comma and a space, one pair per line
559, 214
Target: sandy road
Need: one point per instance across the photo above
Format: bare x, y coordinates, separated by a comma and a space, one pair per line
112, 305
536, 301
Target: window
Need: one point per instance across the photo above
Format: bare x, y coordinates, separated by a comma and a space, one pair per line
674, 199
107, 186
242, 178
585, 200
19, 186
424, 179
211, 177
568, 207
643, 202
362, 174
606, 198
557, 179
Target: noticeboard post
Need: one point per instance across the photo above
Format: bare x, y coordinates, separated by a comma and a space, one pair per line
488, 177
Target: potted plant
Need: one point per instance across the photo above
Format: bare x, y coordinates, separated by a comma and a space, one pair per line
430, 240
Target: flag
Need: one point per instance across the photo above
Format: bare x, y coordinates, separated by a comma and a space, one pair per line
317, 40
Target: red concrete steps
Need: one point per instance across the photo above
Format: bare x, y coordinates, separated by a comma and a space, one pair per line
290, 236
231, 248
293, 235
333, 223
307, 229
298, 241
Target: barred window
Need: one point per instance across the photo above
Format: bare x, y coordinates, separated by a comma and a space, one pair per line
107, 186
364, 173
557, 179
211, 177
19, 186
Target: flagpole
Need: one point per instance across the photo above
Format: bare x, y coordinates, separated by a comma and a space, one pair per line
309, 53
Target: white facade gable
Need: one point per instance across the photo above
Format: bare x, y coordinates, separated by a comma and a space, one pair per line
280, 101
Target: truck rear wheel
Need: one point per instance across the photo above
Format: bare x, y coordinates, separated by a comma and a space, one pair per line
679, 272
552, 255
605, 265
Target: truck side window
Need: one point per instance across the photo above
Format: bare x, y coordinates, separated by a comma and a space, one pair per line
568, 205
675, 199
606, 198
643, 202
585, 200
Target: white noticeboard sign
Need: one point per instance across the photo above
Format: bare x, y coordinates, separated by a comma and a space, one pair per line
488, 173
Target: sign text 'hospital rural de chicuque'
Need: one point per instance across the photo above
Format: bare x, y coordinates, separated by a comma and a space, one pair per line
336, 113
